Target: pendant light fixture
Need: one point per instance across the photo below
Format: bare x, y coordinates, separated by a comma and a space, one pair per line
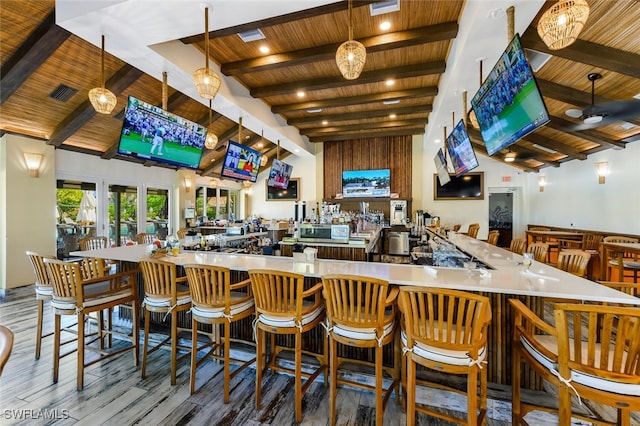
102, 99
207, 82
211, 140
351, 54
561, 24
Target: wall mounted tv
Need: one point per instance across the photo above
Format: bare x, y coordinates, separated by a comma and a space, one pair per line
241, 162
467, 187
461, 152
280, 174
441, 167
366, 183
151, 133
508, 104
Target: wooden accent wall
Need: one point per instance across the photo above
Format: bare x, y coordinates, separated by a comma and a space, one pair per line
393, 152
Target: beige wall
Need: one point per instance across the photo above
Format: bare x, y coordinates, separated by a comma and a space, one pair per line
28, 217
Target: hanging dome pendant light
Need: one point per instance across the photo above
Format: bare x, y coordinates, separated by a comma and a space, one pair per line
351, 54
102, 99
211, 140
207, 82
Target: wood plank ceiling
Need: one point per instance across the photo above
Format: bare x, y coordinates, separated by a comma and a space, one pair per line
40, 58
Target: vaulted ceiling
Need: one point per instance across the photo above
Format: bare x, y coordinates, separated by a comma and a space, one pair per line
47, 72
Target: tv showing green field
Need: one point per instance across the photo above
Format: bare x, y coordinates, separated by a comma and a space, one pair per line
508, 105
151, 133
366, 183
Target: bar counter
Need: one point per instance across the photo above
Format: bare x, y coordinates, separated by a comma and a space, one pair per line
506, 280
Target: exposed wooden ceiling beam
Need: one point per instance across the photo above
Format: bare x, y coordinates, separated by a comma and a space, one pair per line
36, 49
555, 145
357, 100
357, 134
399, 124
363, 115
122, 79
398, 39
376, 76
589, 53
278, 20
480, 148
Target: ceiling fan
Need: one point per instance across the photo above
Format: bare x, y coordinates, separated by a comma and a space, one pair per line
605, 113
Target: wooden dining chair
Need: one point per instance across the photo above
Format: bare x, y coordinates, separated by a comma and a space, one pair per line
493, 237
473, 230
540, 251
574, 261
624, 263
217, 301
445, 330
632, 289
6, 346
146, 238
361, 313
518, 245
75, 295
93, 243
164, 293
456, 227
597, 361
284, 306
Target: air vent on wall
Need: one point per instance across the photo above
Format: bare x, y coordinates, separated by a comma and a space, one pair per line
251, 35
537, 59
382, 7
63, 93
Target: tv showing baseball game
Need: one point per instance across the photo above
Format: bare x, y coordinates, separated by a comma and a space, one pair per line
151, 133
241, 162
508, 105
280, 174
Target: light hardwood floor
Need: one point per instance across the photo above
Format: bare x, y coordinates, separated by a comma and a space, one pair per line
114, 393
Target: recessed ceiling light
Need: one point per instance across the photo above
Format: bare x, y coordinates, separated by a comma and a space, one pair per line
296, 150
247, 137
385, 25
392, 116
264, 49
436, 141
314, 110
300, 94
391, 101
260, 145
390, 82
325, 122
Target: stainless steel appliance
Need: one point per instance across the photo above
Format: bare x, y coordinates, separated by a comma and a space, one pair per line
398, 213
323, 233
399, 243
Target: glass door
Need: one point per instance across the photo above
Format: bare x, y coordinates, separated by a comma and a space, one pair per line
123, 214
501, 216
76, 213
158, 212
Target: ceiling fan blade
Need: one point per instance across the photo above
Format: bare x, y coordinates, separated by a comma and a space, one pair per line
574, 113
621, 110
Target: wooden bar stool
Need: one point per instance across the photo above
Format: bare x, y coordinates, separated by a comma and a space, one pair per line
596, 361
283, 306
518, 245
164, 292
75, 295
217, 301
574, 261
44, 291
540, 251
361, 312
446, 331
493, 237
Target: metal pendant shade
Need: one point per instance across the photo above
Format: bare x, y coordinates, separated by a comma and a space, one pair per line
102, 99
207, 82
351, 55
561, 24
210, 140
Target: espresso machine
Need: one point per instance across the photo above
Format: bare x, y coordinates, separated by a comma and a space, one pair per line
398, 212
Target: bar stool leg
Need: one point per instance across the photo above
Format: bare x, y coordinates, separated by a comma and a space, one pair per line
39, 330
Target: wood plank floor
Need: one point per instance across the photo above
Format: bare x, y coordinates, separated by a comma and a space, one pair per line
114, 393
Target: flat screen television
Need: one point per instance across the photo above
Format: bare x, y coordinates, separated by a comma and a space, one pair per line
366, 183
467, 187
441, 167
151, 133
241, 162
280, 174
463, 157
508, 104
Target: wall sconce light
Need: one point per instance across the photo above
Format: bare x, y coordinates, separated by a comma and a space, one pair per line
246, 185
602, 168
33, 163
187, 184
542, 181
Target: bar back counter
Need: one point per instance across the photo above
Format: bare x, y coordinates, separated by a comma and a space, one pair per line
505, 278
